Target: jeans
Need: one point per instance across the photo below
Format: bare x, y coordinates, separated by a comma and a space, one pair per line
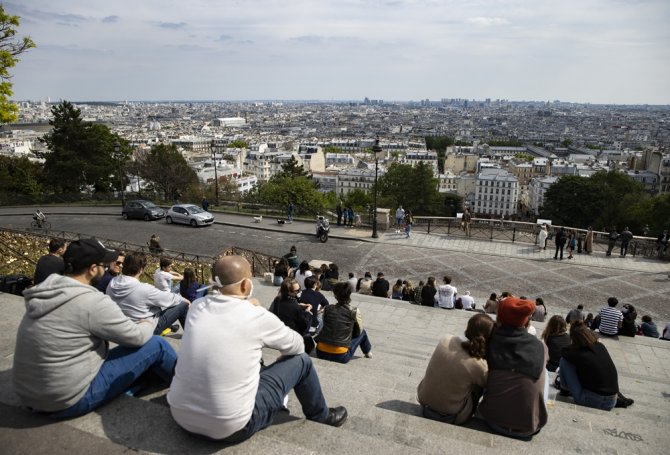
361, 340
583, 397
168, 316
122, 367
610, 247
276, 381
624, 248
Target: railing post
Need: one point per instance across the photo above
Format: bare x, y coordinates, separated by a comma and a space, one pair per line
448, 227
428, 227
491, 224
513, 234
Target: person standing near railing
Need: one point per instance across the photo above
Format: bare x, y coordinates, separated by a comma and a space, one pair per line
467, 219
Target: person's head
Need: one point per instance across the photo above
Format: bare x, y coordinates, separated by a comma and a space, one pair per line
505, 294
421, 283
589, 317
289, 288
478, 333
324, 268
380, 275
233, 276
581, 336
333, 267
116, 266
304, 267
165, 264
155, 237
398, 283
515, 312
189, 276
85, 260
612, 301
310, 282
646, 318
342, 293
446, 279
580, 307
368, 275
431, 281
539, 301
351, 275
555, 326
57, 246
134, 264
293, 250
493, 296
409, 285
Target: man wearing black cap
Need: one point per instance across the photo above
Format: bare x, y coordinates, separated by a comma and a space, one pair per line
62, 361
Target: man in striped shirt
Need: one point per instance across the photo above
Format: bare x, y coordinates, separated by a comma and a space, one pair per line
610, 318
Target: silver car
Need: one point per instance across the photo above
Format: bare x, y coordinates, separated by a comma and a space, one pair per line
189, 214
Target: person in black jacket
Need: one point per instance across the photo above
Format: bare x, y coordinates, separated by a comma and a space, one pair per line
318, 301
342, 331
428, 293
381, 286
588, 372
296, 316
560, 240
50, 263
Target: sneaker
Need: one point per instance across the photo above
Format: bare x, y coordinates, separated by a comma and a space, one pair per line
336, 416
368, 355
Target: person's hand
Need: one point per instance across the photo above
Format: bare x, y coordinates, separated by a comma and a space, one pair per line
188, 302
306, 306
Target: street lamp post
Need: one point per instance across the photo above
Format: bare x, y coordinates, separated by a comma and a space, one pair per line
216, 175
377, 150
117, 154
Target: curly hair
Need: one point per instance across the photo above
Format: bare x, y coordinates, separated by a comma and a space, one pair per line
478, 333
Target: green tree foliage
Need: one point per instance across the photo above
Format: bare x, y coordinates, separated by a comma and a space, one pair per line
415, 188
167, 171
439, 144
453, 204
283, 189
292, 169
331, 149
239, 144
358, 200
10, 49
601, 201
81, 154
19, 178
524, 156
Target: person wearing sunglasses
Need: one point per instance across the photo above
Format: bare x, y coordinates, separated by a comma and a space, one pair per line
112, 269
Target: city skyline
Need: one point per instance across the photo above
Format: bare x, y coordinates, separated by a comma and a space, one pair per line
598, 51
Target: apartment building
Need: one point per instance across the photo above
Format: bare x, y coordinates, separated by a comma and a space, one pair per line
537, 187
496, 193
353, 179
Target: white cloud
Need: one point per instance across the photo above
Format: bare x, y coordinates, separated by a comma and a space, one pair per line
482, 21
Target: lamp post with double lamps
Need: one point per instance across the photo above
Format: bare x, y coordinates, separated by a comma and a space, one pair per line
117, 155
378, 152
216, 175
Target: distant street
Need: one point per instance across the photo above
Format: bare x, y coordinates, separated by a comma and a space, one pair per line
562, 284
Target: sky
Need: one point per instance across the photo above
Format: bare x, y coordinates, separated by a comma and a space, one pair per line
597, 51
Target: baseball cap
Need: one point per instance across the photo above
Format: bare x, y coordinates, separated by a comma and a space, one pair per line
84, 253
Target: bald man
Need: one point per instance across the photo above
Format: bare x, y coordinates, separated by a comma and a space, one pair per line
220, 390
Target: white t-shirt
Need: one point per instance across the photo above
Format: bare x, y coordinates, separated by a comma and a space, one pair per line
445, 296
666, 330
162, 280
213, 391
468, 302
300, 278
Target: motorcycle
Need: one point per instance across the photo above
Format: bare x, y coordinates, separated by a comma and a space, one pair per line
322, 228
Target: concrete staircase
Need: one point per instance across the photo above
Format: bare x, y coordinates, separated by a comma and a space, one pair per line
380, 394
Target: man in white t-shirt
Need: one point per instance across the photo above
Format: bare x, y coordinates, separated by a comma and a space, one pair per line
468, 301
164, 275
226, 394
445, 294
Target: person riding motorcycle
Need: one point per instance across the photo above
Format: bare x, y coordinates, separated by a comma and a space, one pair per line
322, 228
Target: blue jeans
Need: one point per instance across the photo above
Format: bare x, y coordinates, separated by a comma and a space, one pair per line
583, 397
122, 367
169, 316
276, 381
361, 340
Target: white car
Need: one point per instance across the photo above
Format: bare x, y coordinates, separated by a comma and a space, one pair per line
189, 214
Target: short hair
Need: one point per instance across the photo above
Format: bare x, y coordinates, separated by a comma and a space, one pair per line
55, 245
646, 318
368, 275
165, 262
612, 301
293, 248
310, 282
581, 336
447, 279
580, 307
342, 292
538, 301
134, 263
351, 274
493, 296
431, 281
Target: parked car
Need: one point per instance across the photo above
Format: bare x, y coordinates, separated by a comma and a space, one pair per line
189, 214
142, 210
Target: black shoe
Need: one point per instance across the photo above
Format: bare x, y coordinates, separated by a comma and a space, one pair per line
564, 393
622, 401
336, 416
174, 328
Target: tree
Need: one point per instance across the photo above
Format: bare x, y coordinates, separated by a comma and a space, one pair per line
357, 199
10, 49
283, 189
19, 178
81, 154
293, 169
415, 188
239, 144
167, 170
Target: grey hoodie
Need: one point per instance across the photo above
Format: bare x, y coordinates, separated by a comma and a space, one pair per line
63, 340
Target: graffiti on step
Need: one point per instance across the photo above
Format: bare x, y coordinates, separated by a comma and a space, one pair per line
623, 435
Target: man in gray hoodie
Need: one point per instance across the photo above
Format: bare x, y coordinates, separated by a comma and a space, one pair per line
62, 361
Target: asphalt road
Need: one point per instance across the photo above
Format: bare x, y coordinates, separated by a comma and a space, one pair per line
562, 285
